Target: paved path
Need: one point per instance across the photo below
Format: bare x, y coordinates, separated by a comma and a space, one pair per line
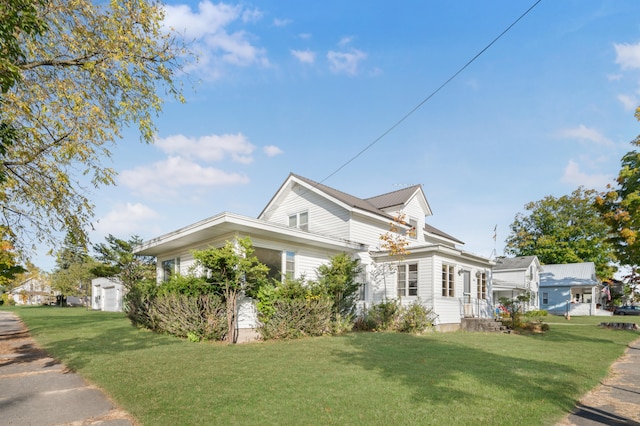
616, 401
36, 390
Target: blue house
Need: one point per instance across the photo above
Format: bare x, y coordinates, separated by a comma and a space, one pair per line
571, 288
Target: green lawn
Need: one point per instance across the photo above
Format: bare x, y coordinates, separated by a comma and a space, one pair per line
361, 378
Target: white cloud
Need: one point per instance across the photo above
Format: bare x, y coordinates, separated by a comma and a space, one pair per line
125, 220
574, 176
212, 148
163, 178
345, 62
345, 41
213, 40
304, 56
281, 22
629, 103
584, 133
627, 55
272, 150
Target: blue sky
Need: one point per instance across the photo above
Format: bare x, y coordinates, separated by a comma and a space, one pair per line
305, 86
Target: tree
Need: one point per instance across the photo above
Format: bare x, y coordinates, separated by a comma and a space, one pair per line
77, 72
234, 269
9, 264
338, 279
117, 260
72, 276
567, 229
620, 208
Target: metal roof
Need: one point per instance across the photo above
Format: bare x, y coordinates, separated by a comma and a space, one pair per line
569, 275
520, 262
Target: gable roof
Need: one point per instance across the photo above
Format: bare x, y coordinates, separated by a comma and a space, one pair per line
519, 262
569, 275
374, 205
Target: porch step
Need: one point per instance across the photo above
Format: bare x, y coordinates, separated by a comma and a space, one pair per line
487, 325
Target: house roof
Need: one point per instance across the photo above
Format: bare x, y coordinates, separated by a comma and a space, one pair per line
569, 275
520, 262
226, 224
374, 205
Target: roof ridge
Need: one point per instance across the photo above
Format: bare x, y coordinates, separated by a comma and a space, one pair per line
418, 185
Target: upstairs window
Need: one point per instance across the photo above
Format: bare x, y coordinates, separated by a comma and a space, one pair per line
413, 231
299, 220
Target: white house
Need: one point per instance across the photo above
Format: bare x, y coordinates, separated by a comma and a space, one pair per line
33, 291
305, 223
571, 288
107, 294
514, 276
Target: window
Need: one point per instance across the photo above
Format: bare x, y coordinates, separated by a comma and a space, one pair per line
408, 280
170, 267
299, 220
448, 281
482, 285
290, 266
413, 232
545, 298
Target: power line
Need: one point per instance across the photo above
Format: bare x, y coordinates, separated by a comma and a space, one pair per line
408, 114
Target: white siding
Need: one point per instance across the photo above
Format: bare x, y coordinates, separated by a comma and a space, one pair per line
325, 217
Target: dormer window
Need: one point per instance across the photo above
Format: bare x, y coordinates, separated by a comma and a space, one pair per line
299, 220
413, 231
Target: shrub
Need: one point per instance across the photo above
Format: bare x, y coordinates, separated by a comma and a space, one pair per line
137, 304
415, 318
189, 285
295, 318
391, 315
195, 317
6, 300
384, 315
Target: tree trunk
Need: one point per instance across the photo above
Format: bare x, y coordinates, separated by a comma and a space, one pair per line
232, 334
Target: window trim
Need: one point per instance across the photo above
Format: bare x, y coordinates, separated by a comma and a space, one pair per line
448, 280
482, 285
289, 259
410, 281
296, 219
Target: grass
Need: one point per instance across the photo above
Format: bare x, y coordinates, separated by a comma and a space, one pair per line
360, 378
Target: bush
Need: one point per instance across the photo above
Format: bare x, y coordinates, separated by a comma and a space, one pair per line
194, 317
189, 285
6, 300
536, 313
137, 304
295, 318
415, 318
393, 316
384, 315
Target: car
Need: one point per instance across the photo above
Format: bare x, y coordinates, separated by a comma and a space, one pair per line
627, 310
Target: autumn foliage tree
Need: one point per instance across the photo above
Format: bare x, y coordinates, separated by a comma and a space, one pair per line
73, 74
620, 207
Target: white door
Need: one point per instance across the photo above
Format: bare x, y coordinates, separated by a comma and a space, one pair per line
109, 299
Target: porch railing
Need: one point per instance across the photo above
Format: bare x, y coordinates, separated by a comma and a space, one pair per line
472, 307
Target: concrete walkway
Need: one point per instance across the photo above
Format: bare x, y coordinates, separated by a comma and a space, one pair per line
36, 390
616, 400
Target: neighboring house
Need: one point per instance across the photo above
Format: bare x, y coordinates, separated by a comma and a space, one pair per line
571, 288
107, 294
306, 223
514, 276
33, 291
